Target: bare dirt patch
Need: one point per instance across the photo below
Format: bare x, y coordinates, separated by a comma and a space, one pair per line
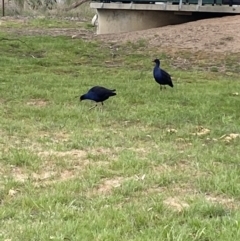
19, 175
104, 150
225, 201
37, 102
75, 154
175, 203
112, 153
59, 166
1, 169
55, 137
230, 137
182, 166
106, 155
183, 144
179, 197
76, 160
107, 186
141, 151
217, 35
201, 131
52, 171
70, 32
2, 101
73, 33
15, 19
46, 178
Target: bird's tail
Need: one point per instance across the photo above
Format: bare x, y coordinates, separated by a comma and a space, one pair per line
112, 92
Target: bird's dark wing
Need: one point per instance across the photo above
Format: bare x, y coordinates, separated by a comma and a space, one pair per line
167, 77
165, 74
101, 90
100, 93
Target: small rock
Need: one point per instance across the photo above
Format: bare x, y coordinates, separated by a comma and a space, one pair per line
230, 137
171, 130
12, 192
201, 131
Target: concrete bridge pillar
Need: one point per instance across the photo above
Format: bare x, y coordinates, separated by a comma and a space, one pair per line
117, 21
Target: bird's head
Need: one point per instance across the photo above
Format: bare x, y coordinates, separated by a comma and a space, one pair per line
82, 97
156, 61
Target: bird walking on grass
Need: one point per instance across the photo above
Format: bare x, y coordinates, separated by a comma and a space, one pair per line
98, 94
161, 76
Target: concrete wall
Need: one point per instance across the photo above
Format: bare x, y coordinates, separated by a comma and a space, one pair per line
116, 21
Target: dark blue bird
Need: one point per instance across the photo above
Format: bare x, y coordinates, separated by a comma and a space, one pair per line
98, 94
161, 76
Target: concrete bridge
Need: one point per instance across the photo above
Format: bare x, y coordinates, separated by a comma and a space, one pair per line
126, 16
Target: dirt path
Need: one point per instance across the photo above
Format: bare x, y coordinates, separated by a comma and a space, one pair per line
217, 35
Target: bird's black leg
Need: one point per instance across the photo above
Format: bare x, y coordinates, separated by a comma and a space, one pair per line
93, 107
165, 87
160, 87
102, 106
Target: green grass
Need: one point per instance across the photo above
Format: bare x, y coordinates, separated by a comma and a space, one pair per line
117, 173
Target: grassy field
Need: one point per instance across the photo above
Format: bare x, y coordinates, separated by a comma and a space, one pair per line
149, 165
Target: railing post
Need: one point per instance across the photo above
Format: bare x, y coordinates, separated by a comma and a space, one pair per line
180, 5
199, 4
3, 8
